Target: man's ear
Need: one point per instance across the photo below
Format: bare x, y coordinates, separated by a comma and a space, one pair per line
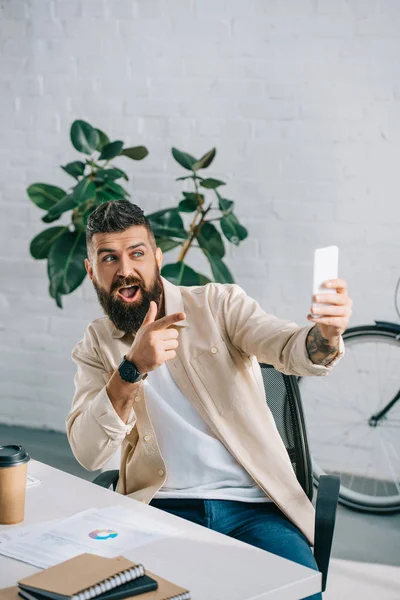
89, 268
159, 257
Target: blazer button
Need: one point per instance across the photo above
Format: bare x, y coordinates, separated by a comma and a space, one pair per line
214, 350
160, 472
147, 438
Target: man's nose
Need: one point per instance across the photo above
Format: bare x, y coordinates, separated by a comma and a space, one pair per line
125, 268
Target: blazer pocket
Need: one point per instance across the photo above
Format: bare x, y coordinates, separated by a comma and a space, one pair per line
218, 373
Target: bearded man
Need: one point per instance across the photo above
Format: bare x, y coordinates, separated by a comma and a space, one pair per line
171, 377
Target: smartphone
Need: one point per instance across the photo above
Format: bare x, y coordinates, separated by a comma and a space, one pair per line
326, 264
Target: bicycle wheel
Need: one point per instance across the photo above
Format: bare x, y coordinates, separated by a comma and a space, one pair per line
344, 437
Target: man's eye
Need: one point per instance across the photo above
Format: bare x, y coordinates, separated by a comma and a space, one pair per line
139, 253
106, 258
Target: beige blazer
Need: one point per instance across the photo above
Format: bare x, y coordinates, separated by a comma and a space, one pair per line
224, 337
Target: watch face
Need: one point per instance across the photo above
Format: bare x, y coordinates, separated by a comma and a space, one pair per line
128, 371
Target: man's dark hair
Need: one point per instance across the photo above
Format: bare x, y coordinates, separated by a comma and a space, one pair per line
117, 215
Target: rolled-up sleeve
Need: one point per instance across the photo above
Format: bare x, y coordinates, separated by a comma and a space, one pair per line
94, 428
273, 341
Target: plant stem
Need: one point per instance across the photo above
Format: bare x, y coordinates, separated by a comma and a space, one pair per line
194, 228
194, 232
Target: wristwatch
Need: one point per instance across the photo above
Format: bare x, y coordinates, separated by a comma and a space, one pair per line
129, 372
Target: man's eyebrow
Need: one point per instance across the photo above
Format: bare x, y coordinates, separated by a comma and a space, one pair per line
106, 250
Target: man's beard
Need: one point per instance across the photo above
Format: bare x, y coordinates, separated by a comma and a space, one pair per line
126, 316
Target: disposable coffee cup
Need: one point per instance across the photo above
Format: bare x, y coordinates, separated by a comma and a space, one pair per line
13, 467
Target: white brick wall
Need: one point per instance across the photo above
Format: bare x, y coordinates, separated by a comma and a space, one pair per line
301, 98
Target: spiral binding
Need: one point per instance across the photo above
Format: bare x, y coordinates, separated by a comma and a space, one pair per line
110, 583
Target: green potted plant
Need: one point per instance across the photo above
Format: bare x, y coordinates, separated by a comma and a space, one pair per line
64, 246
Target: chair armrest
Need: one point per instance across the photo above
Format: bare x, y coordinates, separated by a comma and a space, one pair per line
325, 517
107, 478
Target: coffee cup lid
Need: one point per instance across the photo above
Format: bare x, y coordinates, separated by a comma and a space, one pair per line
13, 455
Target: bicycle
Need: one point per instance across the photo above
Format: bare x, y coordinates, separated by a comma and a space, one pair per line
353, 418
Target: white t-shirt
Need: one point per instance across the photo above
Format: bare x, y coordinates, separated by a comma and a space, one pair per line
198, 464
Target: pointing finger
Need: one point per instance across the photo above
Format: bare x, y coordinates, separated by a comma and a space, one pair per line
169, 320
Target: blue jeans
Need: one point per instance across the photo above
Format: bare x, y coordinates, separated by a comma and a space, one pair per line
260, 524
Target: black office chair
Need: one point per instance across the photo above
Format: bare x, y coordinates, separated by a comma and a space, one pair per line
284, 400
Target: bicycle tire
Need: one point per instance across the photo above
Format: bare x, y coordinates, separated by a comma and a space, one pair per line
346, 496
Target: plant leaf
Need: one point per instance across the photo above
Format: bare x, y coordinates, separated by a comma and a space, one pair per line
110, 174
191, 202
169, 217
220, 271
194, 176
188, 205
167, 223
111, 150
166, 244
210, 240
225, 205
44, 195
181, 274
55, 294
84, 137
185, 160
114, 188
232, 229
76, 168
165, 231
196, 197
212, 184
67, 203
205, 161
103, 140
49, 219
41, 244
135, 152
65, 265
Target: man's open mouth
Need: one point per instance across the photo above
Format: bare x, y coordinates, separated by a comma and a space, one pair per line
128, 293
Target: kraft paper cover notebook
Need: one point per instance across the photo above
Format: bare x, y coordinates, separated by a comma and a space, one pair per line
88, 576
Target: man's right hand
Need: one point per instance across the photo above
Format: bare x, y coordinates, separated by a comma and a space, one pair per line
156, 341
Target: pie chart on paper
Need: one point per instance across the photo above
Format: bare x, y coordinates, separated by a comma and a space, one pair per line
103, 534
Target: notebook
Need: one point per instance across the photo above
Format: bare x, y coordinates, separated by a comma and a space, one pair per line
85, 577
128, 590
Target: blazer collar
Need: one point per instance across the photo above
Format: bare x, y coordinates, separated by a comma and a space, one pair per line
173, 304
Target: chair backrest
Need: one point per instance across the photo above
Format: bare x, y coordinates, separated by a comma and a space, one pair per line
283, 398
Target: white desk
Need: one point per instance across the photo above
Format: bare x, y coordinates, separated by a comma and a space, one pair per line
211, 565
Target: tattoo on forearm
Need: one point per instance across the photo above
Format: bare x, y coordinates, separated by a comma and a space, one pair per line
320, 351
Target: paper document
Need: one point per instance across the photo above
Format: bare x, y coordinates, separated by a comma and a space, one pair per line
11, 534
107, 532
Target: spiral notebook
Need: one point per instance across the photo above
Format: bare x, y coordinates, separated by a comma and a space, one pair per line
88, 576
